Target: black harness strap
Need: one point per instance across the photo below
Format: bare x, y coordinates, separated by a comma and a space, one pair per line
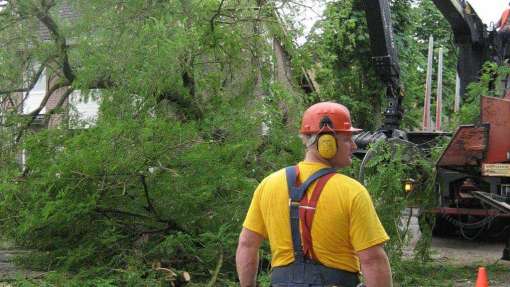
303, 272
296, 194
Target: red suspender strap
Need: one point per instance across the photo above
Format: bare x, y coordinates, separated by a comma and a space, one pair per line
306, 213
298, 182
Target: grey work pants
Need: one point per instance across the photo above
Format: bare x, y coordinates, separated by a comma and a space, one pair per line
312, 274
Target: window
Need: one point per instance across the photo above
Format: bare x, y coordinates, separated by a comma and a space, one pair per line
84, 110
36, 95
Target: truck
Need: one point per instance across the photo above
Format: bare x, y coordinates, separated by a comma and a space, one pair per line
473, 172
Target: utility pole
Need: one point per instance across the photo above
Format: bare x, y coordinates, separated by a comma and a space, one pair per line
456, 105
439, 95
426, 122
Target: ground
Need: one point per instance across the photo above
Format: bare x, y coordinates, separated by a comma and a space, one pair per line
450, 251
456, 251
464, 255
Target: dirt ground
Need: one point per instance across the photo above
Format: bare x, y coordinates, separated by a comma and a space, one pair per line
451, 251
457, 251
461, 252
8, 271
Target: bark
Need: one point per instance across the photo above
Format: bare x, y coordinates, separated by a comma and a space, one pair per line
171, 224
45, 18
32, 81
216, 15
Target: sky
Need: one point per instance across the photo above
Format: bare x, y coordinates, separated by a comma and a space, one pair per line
489, 10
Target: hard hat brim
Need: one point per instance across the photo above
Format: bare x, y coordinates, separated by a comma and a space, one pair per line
355, 130
350, 130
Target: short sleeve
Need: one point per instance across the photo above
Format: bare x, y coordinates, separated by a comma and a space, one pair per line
254, 218
366, 228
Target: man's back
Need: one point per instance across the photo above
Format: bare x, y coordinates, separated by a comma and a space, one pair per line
338, 224
344, 221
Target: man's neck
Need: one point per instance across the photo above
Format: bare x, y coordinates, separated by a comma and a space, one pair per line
312, 157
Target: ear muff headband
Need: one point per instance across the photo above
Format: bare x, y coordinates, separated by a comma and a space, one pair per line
326, 122
326, 145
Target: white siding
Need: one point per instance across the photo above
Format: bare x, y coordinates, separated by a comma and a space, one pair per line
84, 113
36, 95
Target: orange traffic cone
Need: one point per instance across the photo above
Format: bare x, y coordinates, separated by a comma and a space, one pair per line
481, 279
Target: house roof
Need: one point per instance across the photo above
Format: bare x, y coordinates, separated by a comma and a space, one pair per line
65, 13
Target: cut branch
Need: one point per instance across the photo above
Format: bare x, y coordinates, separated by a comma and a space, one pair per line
214, 277
171, 224
121, 212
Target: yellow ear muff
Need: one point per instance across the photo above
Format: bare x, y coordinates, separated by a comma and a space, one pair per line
326, 145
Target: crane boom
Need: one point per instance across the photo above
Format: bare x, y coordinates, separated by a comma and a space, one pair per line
475, 45
385, 58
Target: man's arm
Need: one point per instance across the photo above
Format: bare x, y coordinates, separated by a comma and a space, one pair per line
375, 267
247, 257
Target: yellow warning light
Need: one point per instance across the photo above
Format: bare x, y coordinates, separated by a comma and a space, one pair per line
409, 185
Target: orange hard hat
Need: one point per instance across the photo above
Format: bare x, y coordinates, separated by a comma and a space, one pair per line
326, 116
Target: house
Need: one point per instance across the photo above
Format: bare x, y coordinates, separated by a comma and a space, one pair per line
40, 98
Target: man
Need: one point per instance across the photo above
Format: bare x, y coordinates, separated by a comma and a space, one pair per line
503, 24
346, 231
503, 27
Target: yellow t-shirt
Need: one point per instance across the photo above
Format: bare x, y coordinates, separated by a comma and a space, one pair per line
345, 219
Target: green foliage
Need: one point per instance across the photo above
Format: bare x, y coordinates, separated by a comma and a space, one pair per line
345, 73
386, 168
191, 118
489, 85
418, 273
165, 174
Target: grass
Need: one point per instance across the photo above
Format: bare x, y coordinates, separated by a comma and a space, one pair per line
439, 274
408, 274
5, 244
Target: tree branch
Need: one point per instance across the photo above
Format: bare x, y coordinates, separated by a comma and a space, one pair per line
32, 115
171, 225
8, 23
60, 40
59, 104
120, 212
186, 105
216, 15
214, 278
8, 99
33, 81
47, 96
150, 206
102, 84
17, 90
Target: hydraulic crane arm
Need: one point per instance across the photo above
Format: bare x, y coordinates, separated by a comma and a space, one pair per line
471, 37
475, 44
385, 58
466, 25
